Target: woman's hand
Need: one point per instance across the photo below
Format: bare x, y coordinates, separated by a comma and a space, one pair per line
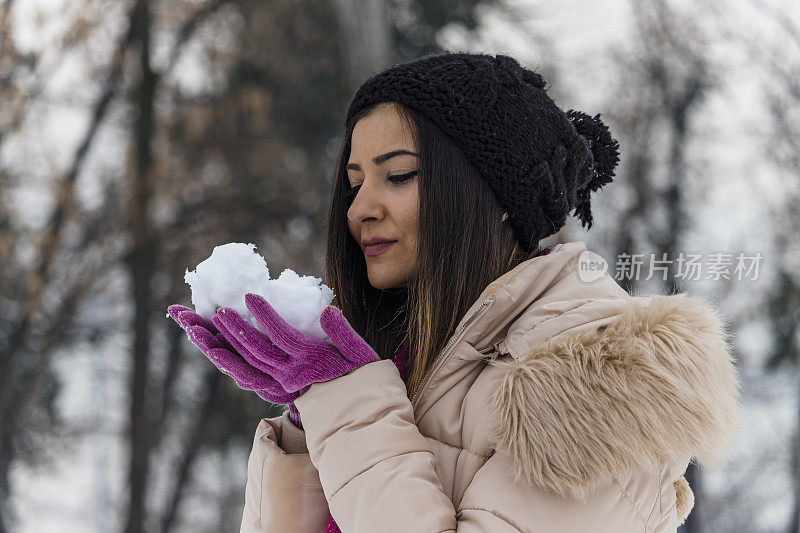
247, 371
293, 358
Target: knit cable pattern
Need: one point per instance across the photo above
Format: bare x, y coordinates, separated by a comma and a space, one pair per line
540, 162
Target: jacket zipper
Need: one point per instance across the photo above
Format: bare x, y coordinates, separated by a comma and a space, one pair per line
441, 357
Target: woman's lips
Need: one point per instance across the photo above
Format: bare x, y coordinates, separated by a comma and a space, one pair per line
375, 249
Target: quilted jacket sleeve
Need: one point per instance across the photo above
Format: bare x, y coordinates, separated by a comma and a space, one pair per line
375, 467
283, 492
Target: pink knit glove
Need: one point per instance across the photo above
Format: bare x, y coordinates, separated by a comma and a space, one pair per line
300, 359
230, 358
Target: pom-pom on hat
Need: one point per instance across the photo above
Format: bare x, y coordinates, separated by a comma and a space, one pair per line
540, 162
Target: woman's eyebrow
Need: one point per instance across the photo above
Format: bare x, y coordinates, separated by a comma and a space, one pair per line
380, 159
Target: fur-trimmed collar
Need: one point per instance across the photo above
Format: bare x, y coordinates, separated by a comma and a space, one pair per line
655, 384
595, 383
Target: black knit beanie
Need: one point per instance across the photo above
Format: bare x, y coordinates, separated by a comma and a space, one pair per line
540, 162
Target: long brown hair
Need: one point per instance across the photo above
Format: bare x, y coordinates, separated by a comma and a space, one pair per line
462, 247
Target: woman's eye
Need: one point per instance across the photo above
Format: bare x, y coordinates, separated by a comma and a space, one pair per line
400, 178
397, 178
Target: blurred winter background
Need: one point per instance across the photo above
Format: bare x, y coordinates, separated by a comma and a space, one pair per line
136, 135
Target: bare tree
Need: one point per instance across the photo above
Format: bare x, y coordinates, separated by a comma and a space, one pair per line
43, 297
661, 93
780, 64
141, 262
366, 38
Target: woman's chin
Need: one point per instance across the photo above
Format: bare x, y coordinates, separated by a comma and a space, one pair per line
385, 282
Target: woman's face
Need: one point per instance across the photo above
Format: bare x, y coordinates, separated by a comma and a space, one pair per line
383, 167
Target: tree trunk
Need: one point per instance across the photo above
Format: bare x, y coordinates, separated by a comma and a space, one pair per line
681, 110
213, 380
365, 37
141, 263
794, 526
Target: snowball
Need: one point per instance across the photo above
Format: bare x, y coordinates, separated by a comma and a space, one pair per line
234, 269
224, 278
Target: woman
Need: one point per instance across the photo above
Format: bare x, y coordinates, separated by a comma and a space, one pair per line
473, 381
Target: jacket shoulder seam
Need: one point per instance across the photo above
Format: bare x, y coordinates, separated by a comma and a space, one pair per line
546, 320
459, 447
656, 501
659, 488
503, 518
629, 500
662, 476
571, 309
583, 304
583, 327
261, 490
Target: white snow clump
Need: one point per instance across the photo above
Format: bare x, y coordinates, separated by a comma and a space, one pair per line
234, 269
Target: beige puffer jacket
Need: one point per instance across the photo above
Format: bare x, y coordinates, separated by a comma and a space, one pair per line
557, 406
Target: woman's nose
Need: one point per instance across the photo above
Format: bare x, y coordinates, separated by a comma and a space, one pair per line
366, 204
